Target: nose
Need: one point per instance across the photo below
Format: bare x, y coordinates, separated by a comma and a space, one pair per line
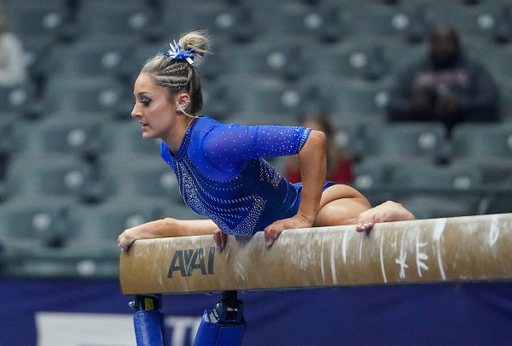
135, 111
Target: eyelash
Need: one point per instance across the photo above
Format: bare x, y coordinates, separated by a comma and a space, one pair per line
145, 101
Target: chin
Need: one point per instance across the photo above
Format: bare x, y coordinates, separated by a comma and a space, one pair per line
147, 135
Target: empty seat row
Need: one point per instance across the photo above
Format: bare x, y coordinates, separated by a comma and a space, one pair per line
49, 236
96, 136
244, 20
82, 164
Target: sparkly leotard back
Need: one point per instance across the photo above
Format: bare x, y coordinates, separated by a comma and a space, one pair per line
222, 174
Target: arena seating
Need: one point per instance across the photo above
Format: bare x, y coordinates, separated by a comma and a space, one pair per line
75, 170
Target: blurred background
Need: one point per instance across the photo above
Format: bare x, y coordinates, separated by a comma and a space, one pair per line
75, 172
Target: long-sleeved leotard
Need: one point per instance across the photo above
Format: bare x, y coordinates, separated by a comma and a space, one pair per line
222, 174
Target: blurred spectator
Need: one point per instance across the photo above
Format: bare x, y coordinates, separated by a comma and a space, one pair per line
445, 86
339, 162
12, 56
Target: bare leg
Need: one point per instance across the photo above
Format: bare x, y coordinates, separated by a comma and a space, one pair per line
385, 212
341, 205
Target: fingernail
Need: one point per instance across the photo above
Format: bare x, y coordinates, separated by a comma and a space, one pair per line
275, 236
267, 244
219, 248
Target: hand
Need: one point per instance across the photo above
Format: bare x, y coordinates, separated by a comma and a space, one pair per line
273, 231
126, 239
220, 239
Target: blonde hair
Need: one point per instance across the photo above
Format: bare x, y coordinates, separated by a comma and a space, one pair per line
178, 75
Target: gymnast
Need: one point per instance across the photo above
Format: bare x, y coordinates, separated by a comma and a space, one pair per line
221, 170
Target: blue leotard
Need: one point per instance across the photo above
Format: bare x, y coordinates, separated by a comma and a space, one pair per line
222, 175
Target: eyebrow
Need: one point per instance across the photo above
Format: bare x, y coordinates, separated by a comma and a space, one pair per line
142, 93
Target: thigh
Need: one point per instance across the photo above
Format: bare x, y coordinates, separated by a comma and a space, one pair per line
341, 205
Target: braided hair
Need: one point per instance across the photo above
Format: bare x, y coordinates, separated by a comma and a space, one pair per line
178, 74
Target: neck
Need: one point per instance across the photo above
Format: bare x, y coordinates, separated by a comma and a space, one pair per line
175, 138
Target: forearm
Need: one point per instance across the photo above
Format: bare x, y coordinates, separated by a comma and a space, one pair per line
170, 227
167, 227
312, 164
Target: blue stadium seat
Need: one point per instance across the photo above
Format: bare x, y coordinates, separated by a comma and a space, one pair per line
234, 23
425, 140
288, 19
125, 137
363, 59
41, 21
98, 57
353, 99
138, 175
121, 20
413, 175
67, 135
505, 87
86, 94
423, 175
279, 57
260, 95
134, 60
96, 227
433, 207
17, 100
50, 175
482, 140
31, 223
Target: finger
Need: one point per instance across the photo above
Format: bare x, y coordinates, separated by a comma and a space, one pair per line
124, 245
269, 236
217, 239
223, 240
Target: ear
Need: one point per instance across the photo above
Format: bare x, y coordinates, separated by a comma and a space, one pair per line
182, 100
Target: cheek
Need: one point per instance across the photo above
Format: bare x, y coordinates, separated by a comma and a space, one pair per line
159, 107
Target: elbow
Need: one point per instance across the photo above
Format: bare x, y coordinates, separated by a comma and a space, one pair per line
316, 140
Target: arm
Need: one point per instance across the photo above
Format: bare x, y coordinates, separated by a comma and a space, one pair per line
312, 164
167, 227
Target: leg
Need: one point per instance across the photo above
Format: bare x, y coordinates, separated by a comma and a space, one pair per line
385, 212
341, 205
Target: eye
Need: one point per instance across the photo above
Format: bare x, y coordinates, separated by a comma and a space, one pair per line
145, 101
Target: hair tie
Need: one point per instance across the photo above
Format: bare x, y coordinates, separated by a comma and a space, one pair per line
175, 53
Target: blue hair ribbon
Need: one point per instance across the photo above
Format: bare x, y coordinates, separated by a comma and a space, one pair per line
175, 53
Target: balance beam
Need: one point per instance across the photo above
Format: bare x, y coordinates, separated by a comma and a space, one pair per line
421, 251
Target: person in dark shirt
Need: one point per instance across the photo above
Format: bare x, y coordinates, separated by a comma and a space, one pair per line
445, 86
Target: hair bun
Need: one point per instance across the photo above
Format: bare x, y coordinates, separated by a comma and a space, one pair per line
197, 40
